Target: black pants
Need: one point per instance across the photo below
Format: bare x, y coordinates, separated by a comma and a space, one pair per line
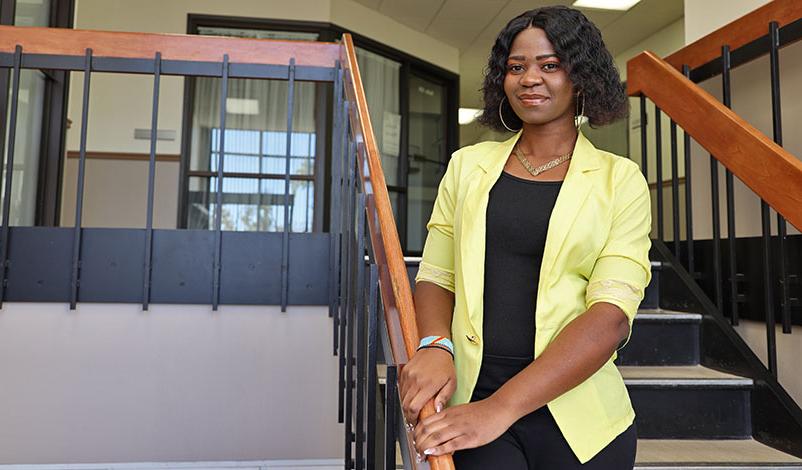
534, 442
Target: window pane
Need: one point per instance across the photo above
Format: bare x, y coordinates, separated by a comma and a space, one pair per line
427, 155
380, 78
250, 204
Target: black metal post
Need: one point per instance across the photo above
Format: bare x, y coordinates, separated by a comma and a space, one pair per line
644, 149
373, 344
675, 189
716, 223
12, 139
768, 294
348, 225
658, 143
351, 421
730, 188
79, 196
218, 216
336, 125
361, 359
285, 239
390, 413
688, 194
154, 123
777, 127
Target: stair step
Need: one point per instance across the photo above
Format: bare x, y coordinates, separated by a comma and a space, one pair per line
656, 454
675, 376
662, 338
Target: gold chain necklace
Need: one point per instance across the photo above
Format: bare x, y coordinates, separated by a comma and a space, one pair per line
548, 166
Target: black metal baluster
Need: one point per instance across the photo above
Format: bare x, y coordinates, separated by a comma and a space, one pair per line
675, 189
730, 188
644, 150
768, 294
777, 127
9, 170
353, 311
154, 122
658, 142
336, 125
360, 334
348, 264
285, 236
688, 194
373, 344
716, 223
345, 160
79, 196
218, 216
390, 414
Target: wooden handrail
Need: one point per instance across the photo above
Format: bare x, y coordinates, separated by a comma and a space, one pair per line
72, 42
765, 167
737, 33
396, 294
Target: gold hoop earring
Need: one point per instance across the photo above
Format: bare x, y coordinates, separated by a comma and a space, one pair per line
580, 114
502, 117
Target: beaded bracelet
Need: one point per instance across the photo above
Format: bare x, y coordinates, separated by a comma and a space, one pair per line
437, 346
437, 341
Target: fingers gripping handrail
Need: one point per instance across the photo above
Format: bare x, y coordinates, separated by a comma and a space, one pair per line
396, 294
765, 167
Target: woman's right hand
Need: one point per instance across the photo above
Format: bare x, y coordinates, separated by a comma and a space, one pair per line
429, 374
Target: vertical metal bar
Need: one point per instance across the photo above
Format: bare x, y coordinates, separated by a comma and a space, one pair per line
154, 123
658, 143
9, 170
79, 194
716, 223
360, 334
675, 189
644, 150
336, 125
346, 278
342, 219
726, 64
688, 194
768, 294
373, 344
777, 127
285, 240
355, 281
218, 216
390, 413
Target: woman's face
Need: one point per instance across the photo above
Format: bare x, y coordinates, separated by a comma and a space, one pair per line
536, 84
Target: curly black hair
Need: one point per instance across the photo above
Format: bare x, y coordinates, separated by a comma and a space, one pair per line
579, 46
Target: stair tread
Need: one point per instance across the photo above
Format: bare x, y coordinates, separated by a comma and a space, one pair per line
691, 373
671, 314
666, 451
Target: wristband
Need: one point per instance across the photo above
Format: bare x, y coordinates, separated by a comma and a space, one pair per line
439, 341
437, 346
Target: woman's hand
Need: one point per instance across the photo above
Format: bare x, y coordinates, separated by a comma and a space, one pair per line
462, 427
430, 373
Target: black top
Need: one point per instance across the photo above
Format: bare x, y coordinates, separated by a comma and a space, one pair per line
518, 212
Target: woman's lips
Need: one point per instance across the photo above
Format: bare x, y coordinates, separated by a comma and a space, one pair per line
532, 100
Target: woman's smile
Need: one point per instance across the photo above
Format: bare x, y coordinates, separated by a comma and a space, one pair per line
532, 99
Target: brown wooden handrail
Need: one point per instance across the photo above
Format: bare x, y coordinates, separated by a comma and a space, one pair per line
765, 167
737, 33
396, 294
72, 42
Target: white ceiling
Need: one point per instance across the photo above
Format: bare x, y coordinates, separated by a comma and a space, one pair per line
472, 25
465, 24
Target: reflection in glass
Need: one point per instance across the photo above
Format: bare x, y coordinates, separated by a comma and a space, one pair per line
427, 155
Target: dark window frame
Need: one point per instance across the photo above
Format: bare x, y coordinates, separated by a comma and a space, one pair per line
53, 137
331, 32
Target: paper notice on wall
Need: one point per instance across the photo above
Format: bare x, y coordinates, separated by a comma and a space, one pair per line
391, 134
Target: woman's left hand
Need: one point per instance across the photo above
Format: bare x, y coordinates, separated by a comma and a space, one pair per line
462, 427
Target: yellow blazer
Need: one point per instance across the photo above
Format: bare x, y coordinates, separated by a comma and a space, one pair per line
596, 250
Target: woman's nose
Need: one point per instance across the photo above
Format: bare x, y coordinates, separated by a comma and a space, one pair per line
531, 77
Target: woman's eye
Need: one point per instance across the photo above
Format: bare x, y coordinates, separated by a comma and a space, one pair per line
515, 68
551, 66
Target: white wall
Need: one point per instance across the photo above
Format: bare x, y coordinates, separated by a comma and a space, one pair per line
111, 383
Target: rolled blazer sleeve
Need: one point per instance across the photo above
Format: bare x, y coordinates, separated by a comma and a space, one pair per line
437, 262
623, 270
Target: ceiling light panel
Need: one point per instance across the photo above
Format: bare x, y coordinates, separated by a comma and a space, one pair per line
621, 5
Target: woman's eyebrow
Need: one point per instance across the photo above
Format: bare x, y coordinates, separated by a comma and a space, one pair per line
537, 57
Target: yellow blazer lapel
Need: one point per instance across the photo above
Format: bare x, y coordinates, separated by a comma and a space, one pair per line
574, 192
472, 233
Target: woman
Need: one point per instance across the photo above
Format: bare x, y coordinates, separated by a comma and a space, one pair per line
533, 268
